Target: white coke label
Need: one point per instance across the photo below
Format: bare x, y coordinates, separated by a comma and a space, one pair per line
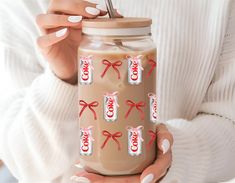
134, 70
86, 141
86, 70
110, 107
135, 141
153, 107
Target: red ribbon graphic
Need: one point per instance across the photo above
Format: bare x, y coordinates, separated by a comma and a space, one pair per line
113, 65
138, 106
113, 136
153, 137
90, 106
153, 65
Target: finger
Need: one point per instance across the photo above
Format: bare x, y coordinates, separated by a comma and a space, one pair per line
82, 8
156, 171
87, 177
52, 38
118, 14
103, 9
122, 179
48, 21
164, 157
164, 139
95, 178
79, 166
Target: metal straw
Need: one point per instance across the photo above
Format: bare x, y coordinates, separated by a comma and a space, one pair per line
110, 8
111, 12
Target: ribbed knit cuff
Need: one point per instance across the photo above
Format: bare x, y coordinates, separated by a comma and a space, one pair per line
56, 98
50, 127
190, 156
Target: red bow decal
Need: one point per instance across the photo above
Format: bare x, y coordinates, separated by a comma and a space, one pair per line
90, 106
153, 137
138, 106
153, 65
113, 65
113, 136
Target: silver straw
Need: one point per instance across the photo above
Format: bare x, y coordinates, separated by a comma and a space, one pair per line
111, 10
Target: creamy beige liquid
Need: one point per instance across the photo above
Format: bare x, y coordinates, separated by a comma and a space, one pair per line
110, 161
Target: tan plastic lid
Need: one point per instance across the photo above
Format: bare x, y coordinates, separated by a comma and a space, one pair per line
117, 26
117, 22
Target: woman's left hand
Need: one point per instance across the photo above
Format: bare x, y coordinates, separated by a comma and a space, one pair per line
151, 174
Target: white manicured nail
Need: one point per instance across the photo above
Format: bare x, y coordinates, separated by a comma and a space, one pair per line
92, 11
148, 178
79, 166
74, 19
61, 32
80, 179
165, 146
101, 7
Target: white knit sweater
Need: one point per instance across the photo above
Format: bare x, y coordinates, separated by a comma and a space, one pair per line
196, 91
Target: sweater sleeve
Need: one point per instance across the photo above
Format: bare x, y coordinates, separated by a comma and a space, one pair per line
38, 126
204, 148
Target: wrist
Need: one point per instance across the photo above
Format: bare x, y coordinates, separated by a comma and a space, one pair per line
73, 80
68, 75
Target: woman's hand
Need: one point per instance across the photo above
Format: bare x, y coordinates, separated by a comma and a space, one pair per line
61, 28
151, 174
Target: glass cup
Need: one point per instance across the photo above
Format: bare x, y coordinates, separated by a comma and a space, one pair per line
117, 96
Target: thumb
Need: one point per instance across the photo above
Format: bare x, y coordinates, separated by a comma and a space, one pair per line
164, 157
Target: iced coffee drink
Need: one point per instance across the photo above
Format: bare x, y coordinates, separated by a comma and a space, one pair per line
117, 96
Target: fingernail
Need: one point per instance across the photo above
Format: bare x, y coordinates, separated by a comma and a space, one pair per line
92, 11
148, 178
74, 19
61, 32
78, 166
165, 146
80, 179
101, 7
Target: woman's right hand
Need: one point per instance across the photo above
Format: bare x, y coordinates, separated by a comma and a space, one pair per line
61, 28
